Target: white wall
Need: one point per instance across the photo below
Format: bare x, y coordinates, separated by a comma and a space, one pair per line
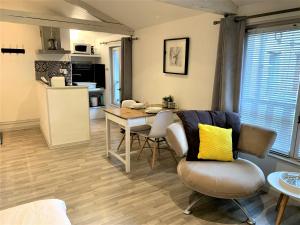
18, 100
192, 91
86, 37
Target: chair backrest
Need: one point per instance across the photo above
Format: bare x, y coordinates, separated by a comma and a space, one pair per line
191, 118
127, 103
160, 124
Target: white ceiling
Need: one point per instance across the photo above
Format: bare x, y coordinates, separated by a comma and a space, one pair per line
141, 13
133, 13
248, 2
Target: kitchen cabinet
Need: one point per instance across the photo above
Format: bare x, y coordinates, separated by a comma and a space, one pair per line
64, 114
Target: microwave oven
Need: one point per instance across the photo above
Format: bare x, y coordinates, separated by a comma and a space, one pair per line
82, 49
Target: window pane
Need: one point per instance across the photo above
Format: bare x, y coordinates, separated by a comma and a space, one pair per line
270, 83
116, 75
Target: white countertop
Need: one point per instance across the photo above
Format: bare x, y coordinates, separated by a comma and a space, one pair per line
65, 87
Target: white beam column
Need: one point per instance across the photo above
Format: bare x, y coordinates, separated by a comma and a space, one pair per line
63, 22
215, 6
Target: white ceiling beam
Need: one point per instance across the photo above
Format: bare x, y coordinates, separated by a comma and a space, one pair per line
95, 12
62, 22
215, 6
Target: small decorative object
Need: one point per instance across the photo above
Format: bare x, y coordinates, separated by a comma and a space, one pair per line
176, 55
290, 181
92, 50
171, 105
168, 102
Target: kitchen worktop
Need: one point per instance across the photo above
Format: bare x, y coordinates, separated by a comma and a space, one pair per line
65, 87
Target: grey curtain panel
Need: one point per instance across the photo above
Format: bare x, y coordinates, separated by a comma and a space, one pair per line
227, 82
126, 68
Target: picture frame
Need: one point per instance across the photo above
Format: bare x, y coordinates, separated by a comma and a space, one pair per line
176, 56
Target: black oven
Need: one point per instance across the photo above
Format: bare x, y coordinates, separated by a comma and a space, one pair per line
86, 72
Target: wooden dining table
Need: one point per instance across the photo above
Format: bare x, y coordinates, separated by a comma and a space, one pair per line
127, 118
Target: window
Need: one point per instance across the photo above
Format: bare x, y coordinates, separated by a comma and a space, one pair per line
116, 75
270, 85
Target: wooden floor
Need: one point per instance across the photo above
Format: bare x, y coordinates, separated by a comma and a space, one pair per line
97, 191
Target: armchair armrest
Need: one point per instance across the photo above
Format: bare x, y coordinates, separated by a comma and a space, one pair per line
177, 139
255, 140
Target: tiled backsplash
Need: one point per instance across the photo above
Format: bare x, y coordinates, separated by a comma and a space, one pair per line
50, 69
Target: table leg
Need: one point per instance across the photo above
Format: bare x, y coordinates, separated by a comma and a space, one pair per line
154, 154
108, 137
127, 149
282, 201
278, 202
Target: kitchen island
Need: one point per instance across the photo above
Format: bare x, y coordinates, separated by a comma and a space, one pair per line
64, 114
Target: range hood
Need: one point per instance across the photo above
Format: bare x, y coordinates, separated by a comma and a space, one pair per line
51, 44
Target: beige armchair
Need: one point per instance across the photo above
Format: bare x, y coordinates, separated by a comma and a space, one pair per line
227, 180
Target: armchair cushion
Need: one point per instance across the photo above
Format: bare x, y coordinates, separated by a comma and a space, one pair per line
177, 139
238, 179
190, 120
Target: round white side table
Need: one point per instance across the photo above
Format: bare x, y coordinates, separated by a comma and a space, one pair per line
273, 180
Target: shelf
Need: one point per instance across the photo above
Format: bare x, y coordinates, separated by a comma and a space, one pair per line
83, 55
97, 107
96, 89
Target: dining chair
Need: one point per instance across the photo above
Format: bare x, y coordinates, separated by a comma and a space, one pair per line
157, 134
128, 104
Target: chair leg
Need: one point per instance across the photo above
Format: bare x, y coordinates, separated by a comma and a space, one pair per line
131, 140
1, 138
142, 148
122, 140
158, 149
171, 150
250, 220
188, 209
138, 138
155, 149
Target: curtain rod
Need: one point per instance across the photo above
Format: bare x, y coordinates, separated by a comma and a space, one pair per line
107, 42
240, 18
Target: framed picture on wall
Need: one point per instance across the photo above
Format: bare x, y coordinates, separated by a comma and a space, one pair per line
176, 56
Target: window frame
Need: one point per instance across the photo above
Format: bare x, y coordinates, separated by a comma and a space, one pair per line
294, 151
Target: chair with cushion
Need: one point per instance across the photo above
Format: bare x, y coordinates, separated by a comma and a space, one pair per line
157, 134
134, 136
227, 180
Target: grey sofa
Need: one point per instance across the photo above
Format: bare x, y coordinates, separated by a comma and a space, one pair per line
227, 180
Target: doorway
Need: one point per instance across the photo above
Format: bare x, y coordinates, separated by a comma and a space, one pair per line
115, 53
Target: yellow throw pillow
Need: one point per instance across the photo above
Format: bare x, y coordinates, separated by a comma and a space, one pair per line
215, 143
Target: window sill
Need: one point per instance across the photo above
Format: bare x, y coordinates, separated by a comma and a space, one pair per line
288, 160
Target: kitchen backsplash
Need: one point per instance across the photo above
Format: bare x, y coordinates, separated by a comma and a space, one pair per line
50, 69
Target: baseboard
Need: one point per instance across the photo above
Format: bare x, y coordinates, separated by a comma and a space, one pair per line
19, 124
86, 142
